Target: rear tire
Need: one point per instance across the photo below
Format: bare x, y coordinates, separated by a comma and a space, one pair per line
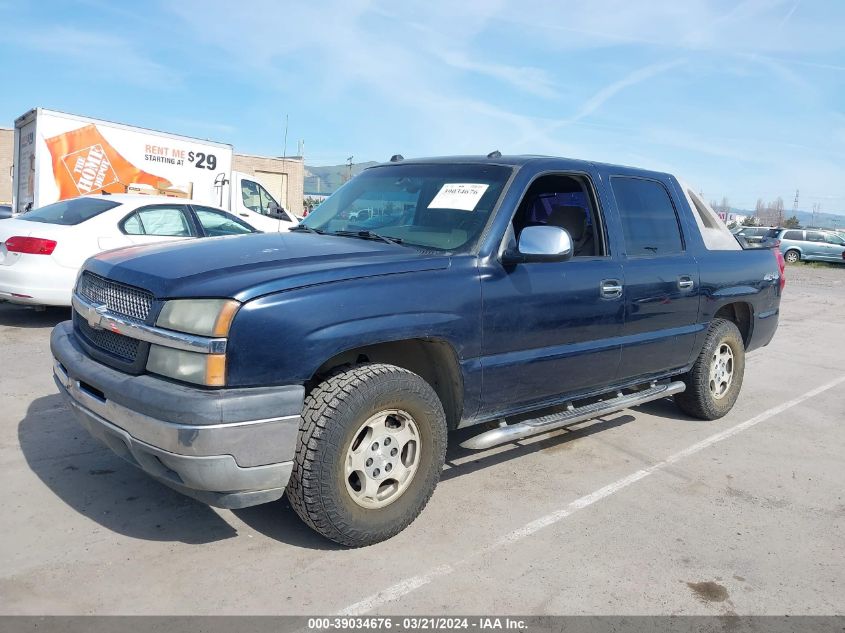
371, 447
714, 382
792, 256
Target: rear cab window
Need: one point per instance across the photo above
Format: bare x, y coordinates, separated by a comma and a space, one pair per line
650, 223
70, 212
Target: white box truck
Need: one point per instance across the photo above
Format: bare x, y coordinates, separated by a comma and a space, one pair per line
59, 156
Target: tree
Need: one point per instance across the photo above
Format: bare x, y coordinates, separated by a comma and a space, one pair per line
792, 223
777, 212
749, 221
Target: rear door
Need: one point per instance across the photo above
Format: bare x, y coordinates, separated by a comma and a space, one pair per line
815, 246
834, 245
660, 278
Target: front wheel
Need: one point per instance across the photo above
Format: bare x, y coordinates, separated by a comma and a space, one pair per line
371, 447
714, 382
792, 256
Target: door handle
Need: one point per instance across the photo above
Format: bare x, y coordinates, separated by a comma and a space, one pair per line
611, 289
685, 282
244, 215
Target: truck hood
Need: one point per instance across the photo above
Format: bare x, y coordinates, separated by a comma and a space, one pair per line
249, 266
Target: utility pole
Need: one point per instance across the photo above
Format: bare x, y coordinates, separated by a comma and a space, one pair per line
794, 209
285, 147
349, 165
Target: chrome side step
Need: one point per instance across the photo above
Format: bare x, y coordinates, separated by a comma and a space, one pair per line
510, 432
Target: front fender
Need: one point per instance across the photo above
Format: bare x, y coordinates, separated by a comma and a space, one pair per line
284, 338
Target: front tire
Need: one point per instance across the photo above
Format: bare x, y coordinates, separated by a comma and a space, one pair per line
792, 256
714, 382
371, 447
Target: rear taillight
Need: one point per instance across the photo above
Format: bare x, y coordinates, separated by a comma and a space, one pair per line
30, 245
782, 266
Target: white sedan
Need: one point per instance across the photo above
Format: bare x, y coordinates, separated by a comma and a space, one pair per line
42, 251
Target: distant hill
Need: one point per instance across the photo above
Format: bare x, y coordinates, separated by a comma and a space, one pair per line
823, 220
327, 179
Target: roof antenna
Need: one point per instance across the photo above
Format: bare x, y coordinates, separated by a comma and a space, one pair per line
494, 154
396, 158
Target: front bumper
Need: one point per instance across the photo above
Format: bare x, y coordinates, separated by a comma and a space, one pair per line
229, 448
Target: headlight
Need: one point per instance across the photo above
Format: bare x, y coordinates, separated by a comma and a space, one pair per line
201, 369
205, 317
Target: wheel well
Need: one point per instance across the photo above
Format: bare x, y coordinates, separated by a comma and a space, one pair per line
432, 360
740, 315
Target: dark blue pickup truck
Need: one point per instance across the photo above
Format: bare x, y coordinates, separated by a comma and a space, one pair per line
523, 294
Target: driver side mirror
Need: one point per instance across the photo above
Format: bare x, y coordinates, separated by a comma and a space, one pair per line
540, 244
274, 210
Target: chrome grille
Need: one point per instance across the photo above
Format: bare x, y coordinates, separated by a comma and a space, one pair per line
117, 344
119, 298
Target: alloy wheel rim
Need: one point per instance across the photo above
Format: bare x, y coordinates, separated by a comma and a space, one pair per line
721, 371
382, 458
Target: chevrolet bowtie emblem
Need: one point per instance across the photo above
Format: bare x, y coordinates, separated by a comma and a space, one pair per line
96, 315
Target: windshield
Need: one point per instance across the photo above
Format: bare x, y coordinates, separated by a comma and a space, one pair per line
440, 207
68, 212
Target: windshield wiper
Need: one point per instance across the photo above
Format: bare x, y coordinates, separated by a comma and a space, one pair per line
368, 235
307, 229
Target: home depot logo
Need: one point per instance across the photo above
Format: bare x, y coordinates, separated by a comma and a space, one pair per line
90, 169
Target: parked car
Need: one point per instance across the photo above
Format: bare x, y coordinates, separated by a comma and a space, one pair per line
331, 361
42, 251
757, 234
5, 211
811, 245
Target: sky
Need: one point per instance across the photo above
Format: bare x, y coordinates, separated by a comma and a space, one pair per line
744, 99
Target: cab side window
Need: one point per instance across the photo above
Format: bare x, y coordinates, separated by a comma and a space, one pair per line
564, 201
257, 198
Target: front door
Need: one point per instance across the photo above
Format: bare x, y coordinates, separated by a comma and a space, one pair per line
661, 280
259, 209
552, 328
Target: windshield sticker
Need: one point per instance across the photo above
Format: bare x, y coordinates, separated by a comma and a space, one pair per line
460, 195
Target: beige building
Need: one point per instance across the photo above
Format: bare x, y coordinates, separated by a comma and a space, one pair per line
7, 156
283, 178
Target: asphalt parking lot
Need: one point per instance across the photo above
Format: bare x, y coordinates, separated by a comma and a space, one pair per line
643, 512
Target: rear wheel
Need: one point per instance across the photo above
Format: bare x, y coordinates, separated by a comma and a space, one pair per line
714, 382
371, 447
792, 256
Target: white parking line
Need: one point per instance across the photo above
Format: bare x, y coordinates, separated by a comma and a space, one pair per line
406, 586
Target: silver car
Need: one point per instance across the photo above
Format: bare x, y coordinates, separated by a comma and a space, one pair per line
811, 245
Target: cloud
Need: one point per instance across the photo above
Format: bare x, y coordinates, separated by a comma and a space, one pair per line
535, 81
631, 79
96, 55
